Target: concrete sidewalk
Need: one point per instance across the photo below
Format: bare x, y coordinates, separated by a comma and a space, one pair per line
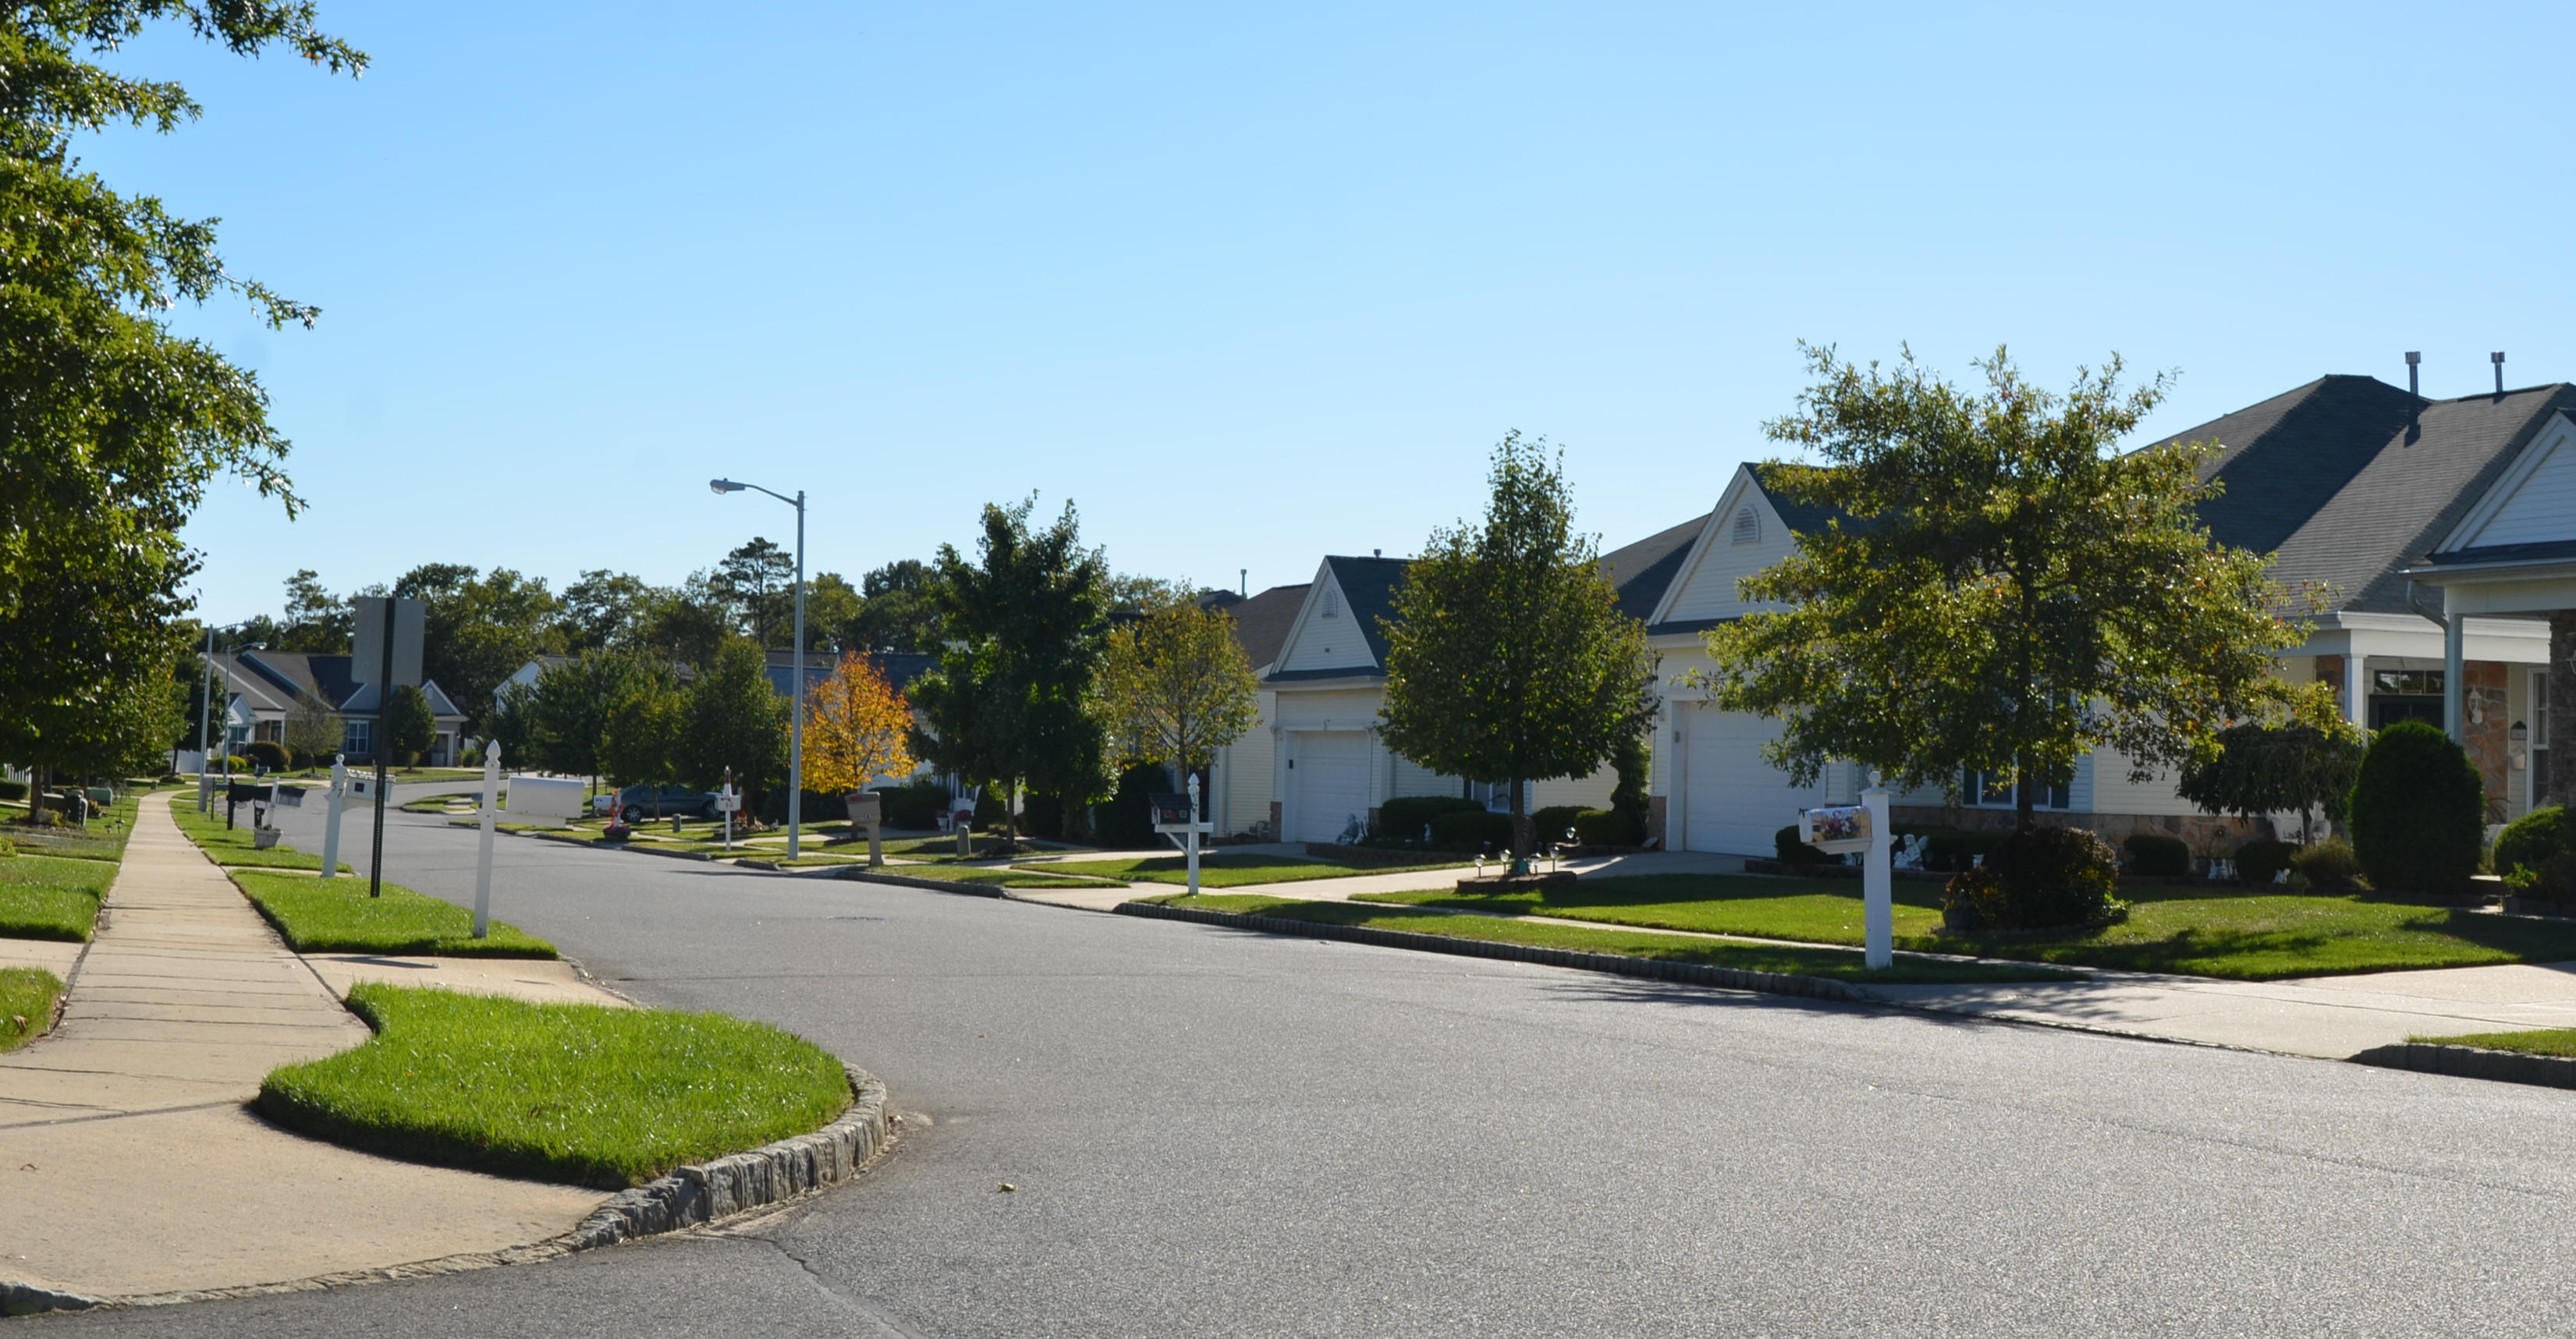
128, 1161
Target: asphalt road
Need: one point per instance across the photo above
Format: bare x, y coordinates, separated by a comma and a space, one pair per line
1224, 1134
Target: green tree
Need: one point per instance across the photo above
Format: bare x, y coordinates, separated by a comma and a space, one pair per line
316, 620
896, 614
640, 738
2305, 761
1010, 703
1507, 657
756, 584
606, 611
408, 725
1176, 685
2001, 591
832, 605
686, 625
313, 730
567, 710
110, 425
735, 719
479, 629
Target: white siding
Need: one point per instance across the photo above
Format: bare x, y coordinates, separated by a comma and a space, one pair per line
1707, 590
1412, 778
1329, 637
2543, 508
1243, 774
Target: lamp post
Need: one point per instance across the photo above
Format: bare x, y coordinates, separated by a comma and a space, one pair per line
796, 678
205, 726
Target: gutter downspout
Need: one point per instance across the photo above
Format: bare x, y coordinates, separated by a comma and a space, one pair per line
2454, 663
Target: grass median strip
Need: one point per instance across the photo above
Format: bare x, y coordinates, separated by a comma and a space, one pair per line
1785, 959
1222, 871
235, 847
582, 1094
27, 999
2243, 937
336, 916
2557, 1041
988, 878
45, 897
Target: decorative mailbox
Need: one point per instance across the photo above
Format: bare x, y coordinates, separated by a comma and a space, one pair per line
1843, 827
547, 797
866, 808
1172, 813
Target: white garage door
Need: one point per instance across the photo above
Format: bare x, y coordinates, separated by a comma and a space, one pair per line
1327, 783
1736, 800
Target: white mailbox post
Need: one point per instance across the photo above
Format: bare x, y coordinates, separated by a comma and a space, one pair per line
867, 810
336, 797
1863, 827
728, 803
483, 855
1177, 816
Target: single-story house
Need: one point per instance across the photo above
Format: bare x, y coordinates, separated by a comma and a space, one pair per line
265, 685
1239, 777
2442, 532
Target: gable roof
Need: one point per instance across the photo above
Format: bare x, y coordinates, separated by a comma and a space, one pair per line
1261, 623
1641, 572
2348, 480
1368, 591
324, 676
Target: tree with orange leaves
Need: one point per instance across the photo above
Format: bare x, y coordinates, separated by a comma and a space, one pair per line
856, 728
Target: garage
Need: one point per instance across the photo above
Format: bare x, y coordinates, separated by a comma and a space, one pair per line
1735, 801
1328, 783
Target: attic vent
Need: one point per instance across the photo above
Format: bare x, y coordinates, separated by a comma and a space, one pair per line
1332, 603
1748, 527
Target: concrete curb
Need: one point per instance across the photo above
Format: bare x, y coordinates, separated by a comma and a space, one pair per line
692, 1196
2472, 1062
859, 874
1658, 969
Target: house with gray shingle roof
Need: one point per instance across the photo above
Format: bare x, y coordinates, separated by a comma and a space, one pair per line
265, 685
2420, 525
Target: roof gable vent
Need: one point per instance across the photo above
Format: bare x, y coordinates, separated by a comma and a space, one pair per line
1332, 606
1748, 526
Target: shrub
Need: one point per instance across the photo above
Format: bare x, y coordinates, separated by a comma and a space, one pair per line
2258, 861
917, 806
2329, 866
2156, 856
1471, 830
1406, 816
1548, 826
2555, 880
2036, 880
13, 790
1956, 848
268, 753
2418, 811
1791, 851
2529, 841
1609, 827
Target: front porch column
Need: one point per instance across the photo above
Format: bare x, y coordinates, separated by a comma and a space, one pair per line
2562, 718
2356, 688
2455, 646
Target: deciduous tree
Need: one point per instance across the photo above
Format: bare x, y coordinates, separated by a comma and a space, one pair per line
2001, 591
1010, 704
735, 719
1508, 659
407, 725
313, 730
2306, 760
857, 727
1176, 686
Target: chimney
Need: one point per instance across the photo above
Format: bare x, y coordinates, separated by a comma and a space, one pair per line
1243, 578
2497, 358
1377, 553
2412, 358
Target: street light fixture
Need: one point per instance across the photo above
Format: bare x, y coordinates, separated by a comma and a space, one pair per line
796, 680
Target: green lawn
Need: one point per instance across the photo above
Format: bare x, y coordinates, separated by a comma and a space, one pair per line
103, 839
233, 846
27, 996
44, 897
582, 1094
2237, 936
2541, 1041
1223, 871
993, 878
337, 916
1787, 959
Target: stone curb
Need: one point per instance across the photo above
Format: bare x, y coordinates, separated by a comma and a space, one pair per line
692, 1196
1698, 974
2473, 1062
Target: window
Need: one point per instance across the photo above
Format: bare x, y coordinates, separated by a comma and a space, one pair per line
1994, 790
356, 740
2412, 683
1497, 795
1748, 526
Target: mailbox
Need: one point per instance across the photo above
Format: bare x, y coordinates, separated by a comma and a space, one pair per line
1842, 827
291, 796
547, 797
866, 808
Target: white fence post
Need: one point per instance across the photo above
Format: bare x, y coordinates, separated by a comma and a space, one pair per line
483, 859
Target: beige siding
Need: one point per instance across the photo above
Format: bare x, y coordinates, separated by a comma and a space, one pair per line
2115, 793
1329, 637
1708, 589
1244, 784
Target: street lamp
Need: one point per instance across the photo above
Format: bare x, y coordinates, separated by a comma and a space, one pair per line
796, 680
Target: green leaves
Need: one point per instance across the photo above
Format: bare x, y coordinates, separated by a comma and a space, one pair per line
2001, 591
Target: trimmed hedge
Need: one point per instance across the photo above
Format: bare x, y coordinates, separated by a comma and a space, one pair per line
1956, 848
1548, 826
2329, 866
1609, 827
2157, 856
2039, 879
916, 806
13, 790
2418, 811
2258, 861
1405, 817
1791, 851
2529, 841
1471, 830
268, 753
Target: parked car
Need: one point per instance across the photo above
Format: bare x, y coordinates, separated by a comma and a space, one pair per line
659, 801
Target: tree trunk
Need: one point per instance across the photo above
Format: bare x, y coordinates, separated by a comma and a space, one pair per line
1521, 844
2026, 797
1011, 816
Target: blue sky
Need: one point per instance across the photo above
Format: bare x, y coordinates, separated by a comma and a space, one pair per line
1254, 285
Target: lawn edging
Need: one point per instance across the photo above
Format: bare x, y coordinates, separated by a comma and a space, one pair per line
1660, 969
772, 1174
2473, 1062
868, 874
